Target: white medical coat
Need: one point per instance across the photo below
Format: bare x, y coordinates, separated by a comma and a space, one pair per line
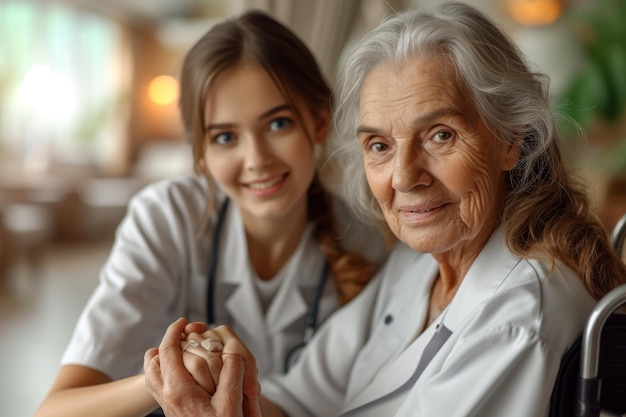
511, 321
157, 272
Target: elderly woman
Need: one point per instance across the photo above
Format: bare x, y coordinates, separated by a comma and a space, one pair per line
451, 141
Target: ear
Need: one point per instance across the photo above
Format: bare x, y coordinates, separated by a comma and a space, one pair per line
322, 126
511, 156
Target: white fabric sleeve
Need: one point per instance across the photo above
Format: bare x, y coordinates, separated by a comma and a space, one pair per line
140, 286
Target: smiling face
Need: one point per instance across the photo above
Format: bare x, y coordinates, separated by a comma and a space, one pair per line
257, 149
435, 169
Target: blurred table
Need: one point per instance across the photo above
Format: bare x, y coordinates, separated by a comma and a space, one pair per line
36, 209
55, 196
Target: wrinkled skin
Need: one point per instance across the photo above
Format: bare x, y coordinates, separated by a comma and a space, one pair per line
437, 172
175, 389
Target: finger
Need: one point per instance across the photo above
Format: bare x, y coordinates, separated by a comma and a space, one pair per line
196, 337
231, 390
234, 347
152, 373
196, 327
229, 394
199, 369
149, 355
210, 350
170, 356
212, 360
252, 394
173, 335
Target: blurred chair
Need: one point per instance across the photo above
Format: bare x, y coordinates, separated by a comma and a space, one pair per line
28, 227
592, 378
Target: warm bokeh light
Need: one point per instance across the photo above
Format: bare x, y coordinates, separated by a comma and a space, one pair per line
535, 12
163, 90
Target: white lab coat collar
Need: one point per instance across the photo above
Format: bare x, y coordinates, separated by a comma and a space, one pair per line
490, 269
488, 272
300, 277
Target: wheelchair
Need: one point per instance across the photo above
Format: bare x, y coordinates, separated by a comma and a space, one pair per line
592, 377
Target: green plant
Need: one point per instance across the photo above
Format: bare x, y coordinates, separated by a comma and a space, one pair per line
598, 90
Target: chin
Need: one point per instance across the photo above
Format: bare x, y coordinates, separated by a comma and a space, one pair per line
427, 242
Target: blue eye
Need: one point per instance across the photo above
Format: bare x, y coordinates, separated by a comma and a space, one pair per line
224, 138
279, 123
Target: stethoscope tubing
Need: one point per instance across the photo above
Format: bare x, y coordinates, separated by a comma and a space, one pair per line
215, 253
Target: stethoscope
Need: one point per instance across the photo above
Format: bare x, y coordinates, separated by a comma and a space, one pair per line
312, 313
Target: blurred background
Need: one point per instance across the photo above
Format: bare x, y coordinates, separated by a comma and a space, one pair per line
88, 115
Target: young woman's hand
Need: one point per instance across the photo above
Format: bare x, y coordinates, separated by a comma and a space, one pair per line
224, 387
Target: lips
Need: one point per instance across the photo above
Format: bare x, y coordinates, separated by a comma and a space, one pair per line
421, 214
418, 209
267, 183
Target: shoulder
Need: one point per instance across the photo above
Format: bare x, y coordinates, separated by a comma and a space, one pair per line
552, 291
549, 303
179, 200
502, 292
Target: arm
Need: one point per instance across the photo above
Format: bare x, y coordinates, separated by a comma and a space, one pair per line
81, 391
126, 313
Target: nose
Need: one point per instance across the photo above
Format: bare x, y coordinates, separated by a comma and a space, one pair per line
258, 153
409, 170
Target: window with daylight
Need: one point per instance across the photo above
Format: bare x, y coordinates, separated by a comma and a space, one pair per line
63, 74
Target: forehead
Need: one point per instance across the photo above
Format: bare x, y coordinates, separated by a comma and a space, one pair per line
241, 80
417, 85
247, 90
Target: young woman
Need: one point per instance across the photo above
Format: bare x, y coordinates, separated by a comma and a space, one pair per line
252, 242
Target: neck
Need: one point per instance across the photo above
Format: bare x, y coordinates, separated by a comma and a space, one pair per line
453, 266
271, 242
441, 294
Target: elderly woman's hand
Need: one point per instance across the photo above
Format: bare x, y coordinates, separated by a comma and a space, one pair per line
224, 386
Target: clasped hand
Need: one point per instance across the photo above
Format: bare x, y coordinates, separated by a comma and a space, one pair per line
196, 371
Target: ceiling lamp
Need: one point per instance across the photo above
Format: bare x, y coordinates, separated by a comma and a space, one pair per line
535, 12
163, 90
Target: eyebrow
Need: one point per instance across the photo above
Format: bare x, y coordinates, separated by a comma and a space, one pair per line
264, 115
422, 119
